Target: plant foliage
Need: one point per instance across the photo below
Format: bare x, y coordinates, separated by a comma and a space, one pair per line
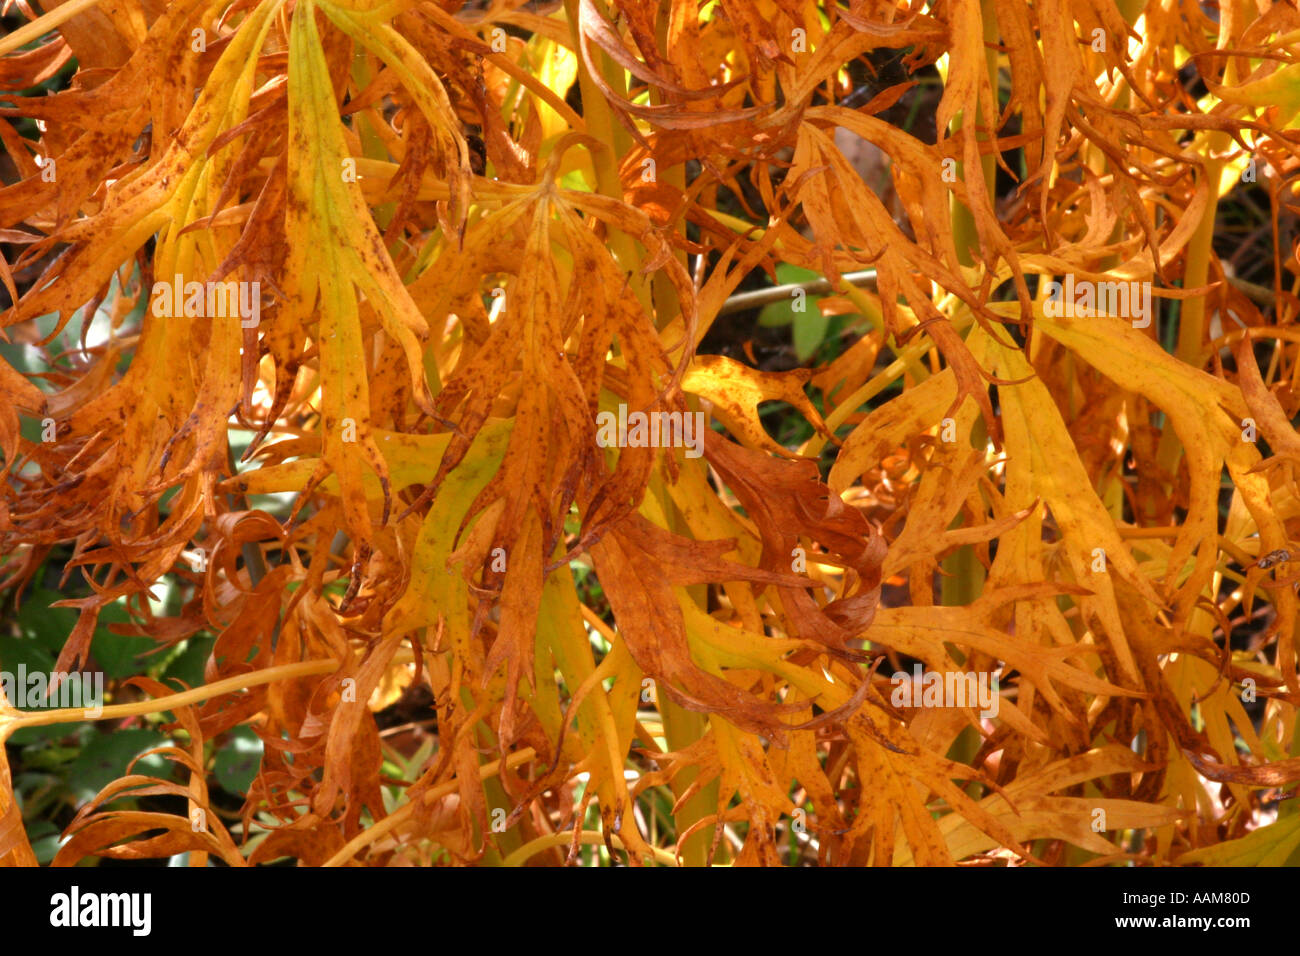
476, 227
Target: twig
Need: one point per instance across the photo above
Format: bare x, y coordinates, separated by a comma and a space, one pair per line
1260, 295
742, 301
757, 298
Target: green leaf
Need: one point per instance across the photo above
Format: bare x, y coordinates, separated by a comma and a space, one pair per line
238, 761
118, 655
1274, 845
782, 312
188, 665
16, 651
45, 840
809, 332
106, 758
47, 626
43, 736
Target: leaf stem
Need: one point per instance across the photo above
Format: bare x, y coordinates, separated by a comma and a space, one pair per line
44, 24
586, 837
757, 298
402, 813
64, 715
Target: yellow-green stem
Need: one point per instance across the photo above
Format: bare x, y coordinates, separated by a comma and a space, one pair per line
586, 837
965, 580
602, 126
962, 220
43, 25
65, 715
404, 812
684, 727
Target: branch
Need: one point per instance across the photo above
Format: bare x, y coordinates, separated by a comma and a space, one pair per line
756, 298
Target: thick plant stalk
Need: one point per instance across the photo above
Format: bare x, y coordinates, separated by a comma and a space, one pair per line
602, 126
964, 578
